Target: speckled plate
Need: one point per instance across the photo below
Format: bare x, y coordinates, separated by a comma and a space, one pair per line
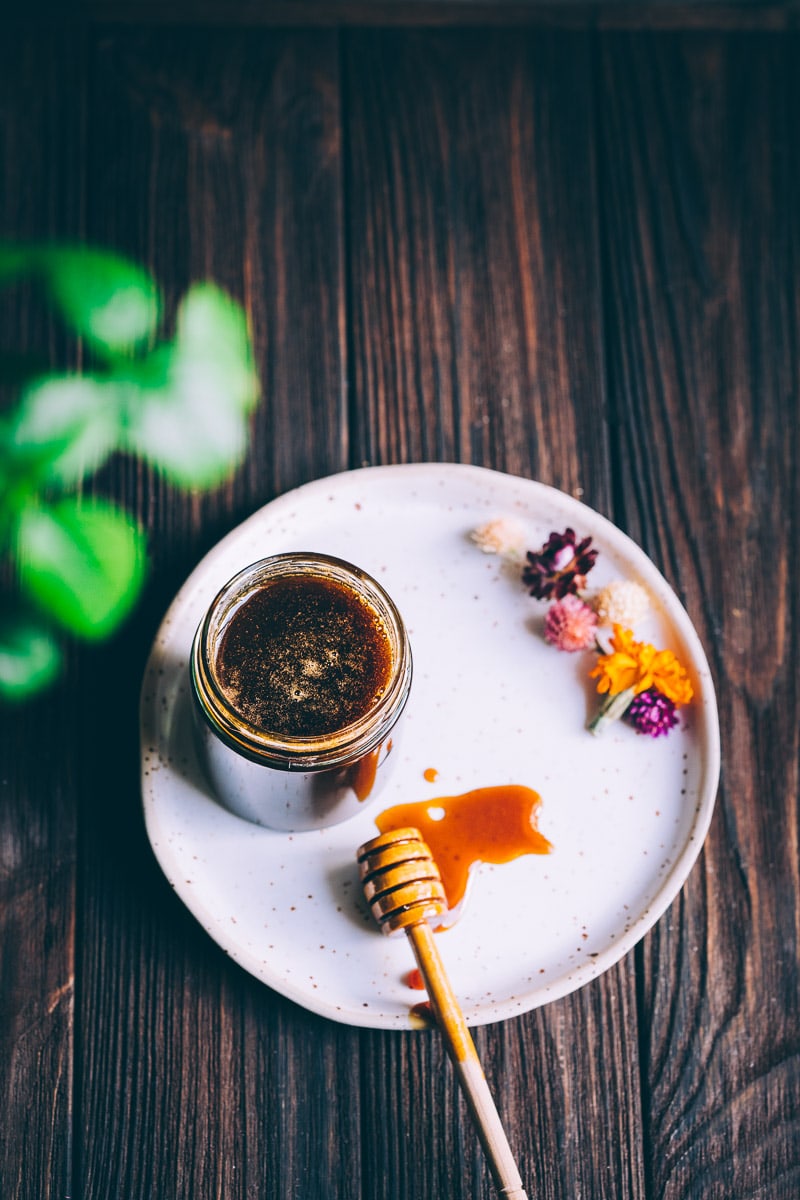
491, 703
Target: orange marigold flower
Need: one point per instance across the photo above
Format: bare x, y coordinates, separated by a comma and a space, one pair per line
640, 666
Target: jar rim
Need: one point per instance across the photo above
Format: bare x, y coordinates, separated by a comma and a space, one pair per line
284, 751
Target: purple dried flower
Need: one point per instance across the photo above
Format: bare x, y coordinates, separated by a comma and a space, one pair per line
570, 624
560, 567
652, 712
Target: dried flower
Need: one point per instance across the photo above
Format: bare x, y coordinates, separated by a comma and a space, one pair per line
570, 624
652, 713
621, 603
500, 536
560, 567
639, 666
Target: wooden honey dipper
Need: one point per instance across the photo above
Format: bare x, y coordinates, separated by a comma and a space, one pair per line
404, 890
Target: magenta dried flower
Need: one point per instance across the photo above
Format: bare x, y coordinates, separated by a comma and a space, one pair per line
560, 567
652, 712
570, 624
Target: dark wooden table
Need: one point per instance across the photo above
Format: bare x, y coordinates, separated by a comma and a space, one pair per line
567, 250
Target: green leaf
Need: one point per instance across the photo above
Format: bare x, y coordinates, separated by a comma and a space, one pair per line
212, 333
110, 301
69, 424
196, 442
83, 562
194, 425
30, 658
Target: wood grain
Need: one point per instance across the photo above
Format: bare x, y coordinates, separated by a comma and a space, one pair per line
41, 197
475, 318
701, 228
561, 14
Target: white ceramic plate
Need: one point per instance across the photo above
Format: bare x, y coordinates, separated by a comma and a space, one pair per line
491, 703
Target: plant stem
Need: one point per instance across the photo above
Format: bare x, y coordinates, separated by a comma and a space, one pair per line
612, 708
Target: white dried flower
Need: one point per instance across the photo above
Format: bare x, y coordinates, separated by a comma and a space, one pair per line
500, 536
621, 603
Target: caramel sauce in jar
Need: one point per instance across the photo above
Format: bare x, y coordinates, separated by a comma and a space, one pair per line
300, 671
304, 656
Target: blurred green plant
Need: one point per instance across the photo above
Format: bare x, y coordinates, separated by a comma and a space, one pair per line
74, 563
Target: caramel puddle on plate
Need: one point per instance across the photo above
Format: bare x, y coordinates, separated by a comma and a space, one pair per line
489, 825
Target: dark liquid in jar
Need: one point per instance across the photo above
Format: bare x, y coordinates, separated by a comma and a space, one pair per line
304, 656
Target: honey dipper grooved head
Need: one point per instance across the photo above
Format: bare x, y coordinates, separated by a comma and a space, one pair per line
400, 880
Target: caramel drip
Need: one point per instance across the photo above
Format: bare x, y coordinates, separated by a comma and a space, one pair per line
362, 776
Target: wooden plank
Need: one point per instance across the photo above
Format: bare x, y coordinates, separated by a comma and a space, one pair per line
214, 155
561, 14
41, 108
475, 318
701, 166
476, 335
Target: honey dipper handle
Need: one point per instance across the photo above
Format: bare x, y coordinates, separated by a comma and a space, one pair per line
461, 1049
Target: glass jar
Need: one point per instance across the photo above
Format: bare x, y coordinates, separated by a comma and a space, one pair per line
300, 670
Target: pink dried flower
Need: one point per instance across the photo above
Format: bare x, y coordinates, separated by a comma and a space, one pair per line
570, 624
652, 712
560, 567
